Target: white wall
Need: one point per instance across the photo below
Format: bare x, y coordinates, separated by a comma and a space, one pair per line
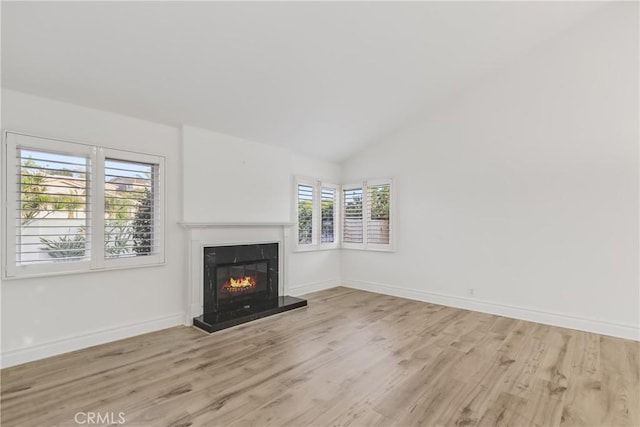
46, 316
228, 179
524, 188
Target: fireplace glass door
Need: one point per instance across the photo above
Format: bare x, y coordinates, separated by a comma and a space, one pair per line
241, 281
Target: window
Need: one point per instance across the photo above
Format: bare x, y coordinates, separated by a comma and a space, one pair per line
378, 214
305, 214
328, 215
367, 217
355, 216
353, 226
74, 207
53, 215
316, 214
130, 210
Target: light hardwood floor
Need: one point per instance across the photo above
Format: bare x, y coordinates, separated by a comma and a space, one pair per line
351, 358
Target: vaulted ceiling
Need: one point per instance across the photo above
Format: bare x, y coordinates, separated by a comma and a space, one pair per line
320, 78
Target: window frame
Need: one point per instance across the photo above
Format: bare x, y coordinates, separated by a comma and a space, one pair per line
336, 216
352, 245
159, 209
316, 216
314, 198
364, 186
11, 141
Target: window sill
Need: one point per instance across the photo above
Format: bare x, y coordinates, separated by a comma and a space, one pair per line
389, 250
40, 275
315, 248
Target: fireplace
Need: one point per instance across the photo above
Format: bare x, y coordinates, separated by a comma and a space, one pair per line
241, 283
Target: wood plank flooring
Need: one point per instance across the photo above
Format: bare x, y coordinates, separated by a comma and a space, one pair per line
352, 358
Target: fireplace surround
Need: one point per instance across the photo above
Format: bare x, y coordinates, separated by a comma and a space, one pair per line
240, 284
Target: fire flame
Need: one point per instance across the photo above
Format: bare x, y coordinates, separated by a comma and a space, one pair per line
240, 284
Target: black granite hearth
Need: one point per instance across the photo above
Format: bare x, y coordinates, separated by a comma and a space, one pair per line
212, 322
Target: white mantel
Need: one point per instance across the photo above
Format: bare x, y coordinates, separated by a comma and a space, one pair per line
205, 234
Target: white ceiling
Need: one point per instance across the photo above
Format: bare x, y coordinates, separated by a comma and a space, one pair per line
321, 78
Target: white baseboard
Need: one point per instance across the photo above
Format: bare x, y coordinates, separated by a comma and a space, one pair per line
620, 330
297, 290
65, 345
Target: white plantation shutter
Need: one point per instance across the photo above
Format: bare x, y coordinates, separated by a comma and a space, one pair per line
328, 214
352, 216
317, 214
76, 207
367, 221
130, 209
305, 214
378, 214
52, 215
353, 224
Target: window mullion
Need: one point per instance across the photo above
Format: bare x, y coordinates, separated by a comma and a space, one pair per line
317, 221
159, 213
11, 206
337, 217
365, 213
97, 209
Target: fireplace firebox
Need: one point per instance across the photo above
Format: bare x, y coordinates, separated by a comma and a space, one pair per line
241, 279
241, 284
